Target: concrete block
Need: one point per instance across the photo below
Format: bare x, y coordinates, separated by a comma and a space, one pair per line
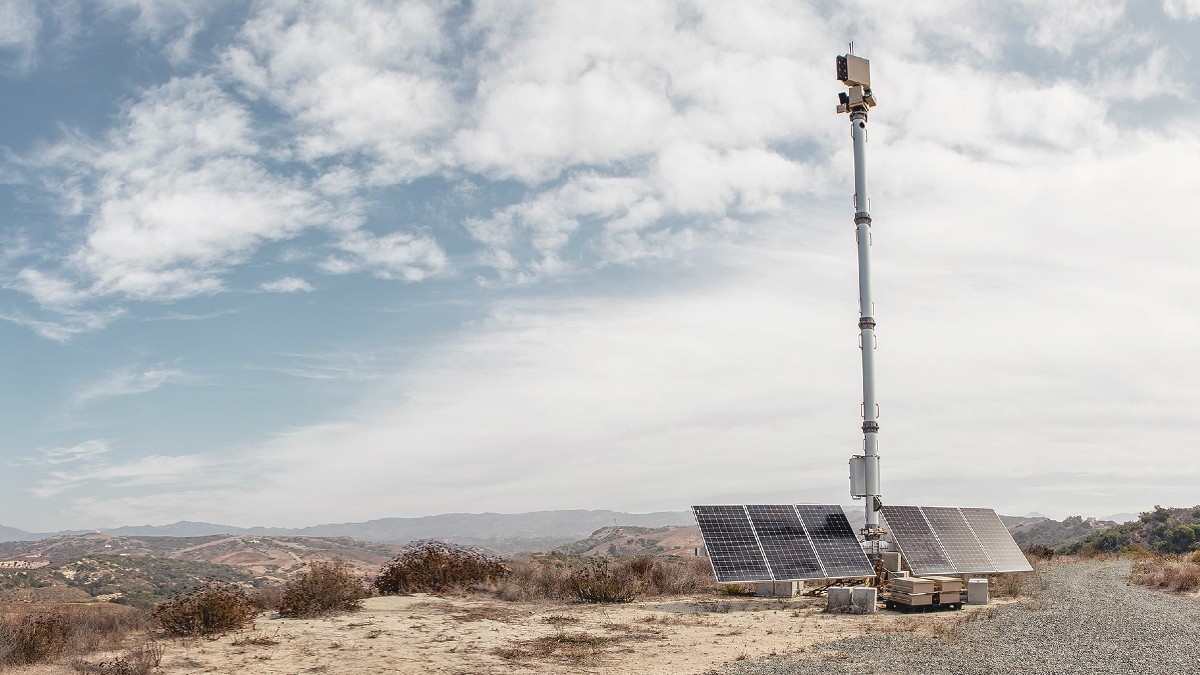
864, 599
977, 591
777, 589
839, 599
891, 561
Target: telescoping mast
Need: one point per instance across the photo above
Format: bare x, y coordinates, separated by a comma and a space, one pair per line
855, 72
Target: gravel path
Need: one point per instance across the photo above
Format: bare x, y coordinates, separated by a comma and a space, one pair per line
1088, 620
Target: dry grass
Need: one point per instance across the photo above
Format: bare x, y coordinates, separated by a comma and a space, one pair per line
140, 661
1169, 572
32, 635
563, 647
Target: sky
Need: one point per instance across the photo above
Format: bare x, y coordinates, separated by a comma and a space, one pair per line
284, 263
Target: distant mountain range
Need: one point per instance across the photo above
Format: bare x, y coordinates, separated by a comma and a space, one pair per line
503, 532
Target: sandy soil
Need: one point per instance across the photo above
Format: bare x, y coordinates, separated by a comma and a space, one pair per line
461, 635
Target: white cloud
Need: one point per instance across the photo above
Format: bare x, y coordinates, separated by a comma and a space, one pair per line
1182, 10
1062, 25
19, 28
354, 79
66, 324
173, 23
174, 196
130, 381
87, 451
148, 471
287, 285
398, 255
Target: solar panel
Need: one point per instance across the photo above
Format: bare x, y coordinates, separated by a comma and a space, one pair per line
949, 540
996, 540
917, 541
957, 539
781, 542
788, 550
837, 547
732, 547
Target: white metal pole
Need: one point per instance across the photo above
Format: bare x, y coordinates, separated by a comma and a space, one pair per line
866, 321
855, 73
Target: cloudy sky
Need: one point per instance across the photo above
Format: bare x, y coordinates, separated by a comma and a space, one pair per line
287, 263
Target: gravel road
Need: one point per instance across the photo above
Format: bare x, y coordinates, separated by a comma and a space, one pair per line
1087, 620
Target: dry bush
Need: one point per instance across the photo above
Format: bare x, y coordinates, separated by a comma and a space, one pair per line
597, 581
536, 579
30, 637
214, 608
33, 639
325, 588
436, 567
268, 598
1172, 573
604, 580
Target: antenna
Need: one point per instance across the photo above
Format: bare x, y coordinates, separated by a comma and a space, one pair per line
855, 72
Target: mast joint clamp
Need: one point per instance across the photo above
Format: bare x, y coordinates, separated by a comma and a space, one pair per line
862, 217
866, 322
870, 427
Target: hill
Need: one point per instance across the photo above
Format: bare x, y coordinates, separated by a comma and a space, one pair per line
1163, 530
505, 533
630, 541
1055, 533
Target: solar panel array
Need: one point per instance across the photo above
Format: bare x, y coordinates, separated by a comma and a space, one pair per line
781, 542
949, 540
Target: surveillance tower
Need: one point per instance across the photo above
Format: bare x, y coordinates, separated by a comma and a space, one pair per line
855, 72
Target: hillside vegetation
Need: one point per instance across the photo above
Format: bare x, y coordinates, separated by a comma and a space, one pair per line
1163, 530
1055, 533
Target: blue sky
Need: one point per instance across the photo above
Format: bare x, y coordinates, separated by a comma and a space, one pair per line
287, 263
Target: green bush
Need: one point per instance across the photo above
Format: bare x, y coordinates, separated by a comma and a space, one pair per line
326, 588
215, 608
436, 567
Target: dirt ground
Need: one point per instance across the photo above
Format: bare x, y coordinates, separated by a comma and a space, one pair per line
460, 635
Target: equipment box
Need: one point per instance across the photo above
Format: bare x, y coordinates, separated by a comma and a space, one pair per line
911, 599
947, 584
912, 585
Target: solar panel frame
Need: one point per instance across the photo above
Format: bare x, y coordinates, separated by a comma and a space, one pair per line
958, 540
785, 543
837, 546
997, 541
732, 545
917, 541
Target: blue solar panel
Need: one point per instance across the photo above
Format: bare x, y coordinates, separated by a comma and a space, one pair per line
785, 544
732, 547
836, 544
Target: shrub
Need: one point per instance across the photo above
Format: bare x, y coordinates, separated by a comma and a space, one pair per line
436, 567
214, 608
1173, 573
324, 589
28, 638
539, 578
596, 581
33, 639
590, 579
